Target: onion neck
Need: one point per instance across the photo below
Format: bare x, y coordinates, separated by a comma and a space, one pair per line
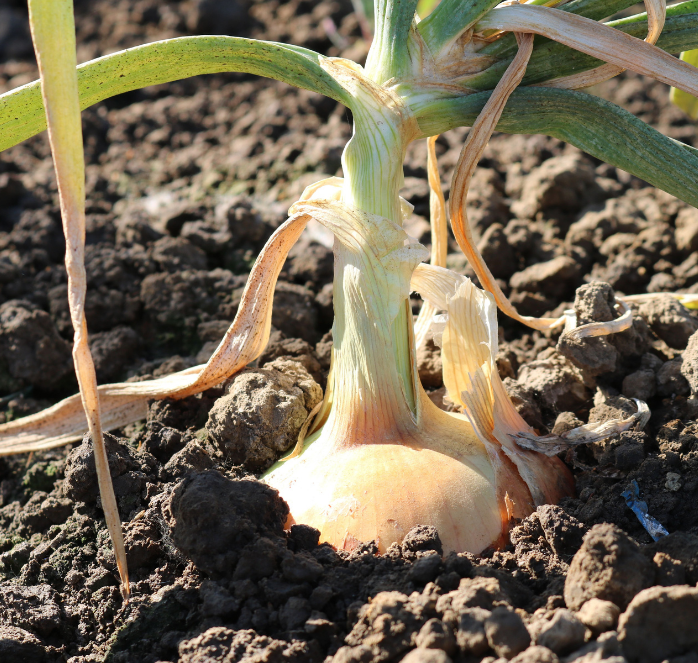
374, 389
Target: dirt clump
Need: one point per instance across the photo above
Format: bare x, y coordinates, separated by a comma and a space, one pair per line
202, 505
262, 413
598, 615
32, 351
659, 624
608, 566
506, 633
670, 321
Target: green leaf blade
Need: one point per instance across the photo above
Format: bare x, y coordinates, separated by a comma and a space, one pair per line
22, 111
450, 19
594, 125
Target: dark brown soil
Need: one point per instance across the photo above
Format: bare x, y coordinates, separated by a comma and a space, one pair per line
186, 181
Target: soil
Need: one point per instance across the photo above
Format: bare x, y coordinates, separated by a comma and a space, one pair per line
186, 181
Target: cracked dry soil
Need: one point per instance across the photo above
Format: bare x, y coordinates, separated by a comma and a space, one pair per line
185, 183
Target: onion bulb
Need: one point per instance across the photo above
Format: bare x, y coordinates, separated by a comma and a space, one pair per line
383, 458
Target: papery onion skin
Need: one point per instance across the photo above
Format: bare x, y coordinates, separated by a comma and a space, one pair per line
439, 474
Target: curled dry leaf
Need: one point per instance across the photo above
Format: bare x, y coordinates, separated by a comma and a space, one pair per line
475, 145
621, 323
550, 445
598, 40
469, 345
656, 16
439, 237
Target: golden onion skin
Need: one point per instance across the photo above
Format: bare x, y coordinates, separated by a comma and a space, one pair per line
440, 474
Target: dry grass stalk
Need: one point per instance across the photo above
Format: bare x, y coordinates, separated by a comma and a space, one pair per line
53, 33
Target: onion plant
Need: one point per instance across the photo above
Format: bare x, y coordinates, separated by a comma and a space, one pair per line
378, 456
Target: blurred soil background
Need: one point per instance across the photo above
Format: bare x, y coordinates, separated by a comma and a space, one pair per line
185, 183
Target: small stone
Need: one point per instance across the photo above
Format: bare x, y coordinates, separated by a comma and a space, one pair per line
593, 302
217, 601
609, 408
216, 521
320, 596
295, 312
113, 350
303, 537
561, 182
426, 568
563, 634
628, 456
359, 654
301, 567
507, 362
671, 381
80, 483
651, 362
563, 532
320, 628
142, 538
670, 571
73, 578
31, 348
687, 229
550, 277
388, 623
300, 369
192, 458
477, 592
673, 482
599, 616
497, 252
660, 623
312, 262
554, 381
524, 401
207, 237
606, 648
261, 415
506, 633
